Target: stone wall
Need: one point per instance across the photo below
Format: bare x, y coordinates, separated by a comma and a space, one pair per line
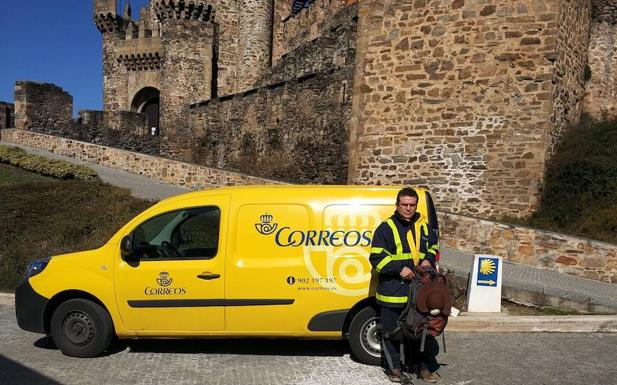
333, 49
294, 126
124, 129
601, 88
226, 45
42, 107
7, 115
186, 77
457, 95
255, 42
294, 131
532, 247
604, 11
304, 27
571, 47
166, 170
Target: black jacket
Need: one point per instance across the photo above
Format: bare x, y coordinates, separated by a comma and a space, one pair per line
390, 282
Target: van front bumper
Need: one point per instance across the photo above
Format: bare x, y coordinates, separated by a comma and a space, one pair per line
30, 308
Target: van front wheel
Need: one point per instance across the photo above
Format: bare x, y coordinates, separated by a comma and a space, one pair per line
81, 328
365, 337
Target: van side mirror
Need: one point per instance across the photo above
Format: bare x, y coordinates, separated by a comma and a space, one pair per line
126, 249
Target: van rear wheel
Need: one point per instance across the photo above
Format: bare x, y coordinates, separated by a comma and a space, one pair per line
81, 328
365, 337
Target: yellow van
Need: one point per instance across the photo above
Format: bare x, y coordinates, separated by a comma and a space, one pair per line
244, 261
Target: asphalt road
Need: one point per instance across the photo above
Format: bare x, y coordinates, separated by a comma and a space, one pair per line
472, 358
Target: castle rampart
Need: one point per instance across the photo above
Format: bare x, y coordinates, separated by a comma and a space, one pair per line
300, 135
295, 125
42, 107
7, 115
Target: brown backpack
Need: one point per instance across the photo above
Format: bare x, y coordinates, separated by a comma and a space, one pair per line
429, 307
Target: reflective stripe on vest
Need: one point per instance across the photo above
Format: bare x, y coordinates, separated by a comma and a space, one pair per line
415, 254
390, 258
397, 237
399, 256
385, 298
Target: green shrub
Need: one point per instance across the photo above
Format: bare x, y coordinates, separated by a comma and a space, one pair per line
51, 167
580, 188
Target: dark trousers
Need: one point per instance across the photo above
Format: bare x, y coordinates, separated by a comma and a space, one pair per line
390, 349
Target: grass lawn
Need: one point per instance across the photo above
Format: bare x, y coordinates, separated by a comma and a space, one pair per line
42, 216
13, 175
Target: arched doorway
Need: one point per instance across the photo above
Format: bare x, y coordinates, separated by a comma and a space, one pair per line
146, 101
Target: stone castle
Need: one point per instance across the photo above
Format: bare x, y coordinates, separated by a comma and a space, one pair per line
467, 97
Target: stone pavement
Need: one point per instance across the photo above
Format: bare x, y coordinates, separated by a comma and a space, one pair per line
471, 358
541, 286
140, 186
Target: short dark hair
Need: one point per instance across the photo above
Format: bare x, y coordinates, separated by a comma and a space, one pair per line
406, 192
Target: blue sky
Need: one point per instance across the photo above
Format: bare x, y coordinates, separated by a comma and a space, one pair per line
53, 42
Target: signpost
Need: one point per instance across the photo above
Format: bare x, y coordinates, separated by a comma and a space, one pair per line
484, 294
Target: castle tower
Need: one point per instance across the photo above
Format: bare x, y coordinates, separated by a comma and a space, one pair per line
159, 63
112, 27
187, 31
255, 41
468, 98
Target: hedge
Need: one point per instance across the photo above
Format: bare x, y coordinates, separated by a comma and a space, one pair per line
50, 167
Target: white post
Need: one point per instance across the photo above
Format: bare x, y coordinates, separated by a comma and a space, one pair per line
484, 293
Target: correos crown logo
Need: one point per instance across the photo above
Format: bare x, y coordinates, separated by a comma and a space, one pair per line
164, 279
265, 225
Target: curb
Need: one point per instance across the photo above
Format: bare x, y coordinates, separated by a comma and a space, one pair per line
558, 324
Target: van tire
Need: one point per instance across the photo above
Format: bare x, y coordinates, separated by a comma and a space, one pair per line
81, 328
365, 337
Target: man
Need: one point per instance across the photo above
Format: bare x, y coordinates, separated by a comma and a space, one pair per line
400, 243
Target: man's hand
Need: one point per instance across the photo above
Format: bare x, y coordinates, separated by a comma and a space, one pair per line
407, 273
426, 263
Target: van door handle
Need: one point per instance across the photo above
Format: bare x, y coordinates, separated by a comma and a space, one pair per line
208, 276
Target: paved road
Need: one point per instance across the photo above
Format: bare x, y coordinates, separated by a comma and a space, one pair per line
472, 358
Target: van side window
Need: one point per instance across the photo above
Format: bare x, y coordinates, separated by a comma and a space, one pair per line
184, 234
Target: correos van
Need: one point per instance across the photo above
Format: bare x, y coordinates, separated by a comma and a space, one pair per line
244, 261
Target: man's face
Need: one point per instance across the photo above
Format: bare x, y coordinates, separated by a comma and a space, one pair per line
406, 206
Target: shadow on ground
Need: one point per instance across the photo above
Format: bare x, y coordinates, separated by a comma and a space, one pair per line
14, 373
244, 346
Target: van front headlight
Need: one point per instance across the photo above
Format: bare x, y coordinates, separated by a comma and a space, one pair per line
36, 267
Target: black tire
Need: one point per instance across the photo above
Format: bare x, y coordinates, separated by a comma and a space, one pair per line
81, 328
365, 337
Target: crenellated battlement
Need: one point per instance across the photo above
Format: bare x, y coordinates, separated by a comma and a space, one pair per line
181, 9
109, 22
141, 62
